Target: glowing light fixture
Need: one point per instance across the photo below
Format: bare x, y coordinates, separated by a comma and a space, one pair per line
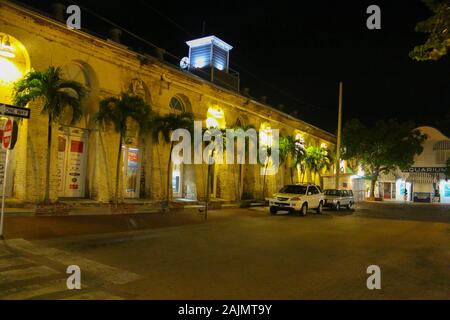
9, 71
200, 62
215, 118
212, 123
6, 50
265, 134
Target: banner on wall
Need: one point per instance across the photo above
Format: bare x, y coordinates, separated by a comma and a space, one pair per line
132, 171
72, 154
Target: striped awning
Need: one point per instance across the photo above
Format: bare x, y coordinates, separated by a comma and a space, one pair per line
442, 145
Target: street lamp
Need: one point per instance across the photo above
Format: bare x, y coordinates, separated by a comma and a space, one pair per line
6, 50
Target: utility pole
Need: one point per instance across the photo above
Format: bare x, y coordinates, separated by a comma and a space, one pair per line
338, 145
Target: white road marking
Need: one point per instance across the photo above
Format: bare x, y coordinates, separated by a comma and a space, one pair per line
14, 261
99, 270
34, 290
25, 274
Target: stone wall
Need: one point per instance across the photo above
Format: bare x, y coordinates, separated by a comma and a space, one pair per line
108, 69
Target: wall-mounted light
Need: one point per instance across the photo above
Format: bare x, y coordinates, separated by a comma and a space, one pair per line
215, 118
6, 50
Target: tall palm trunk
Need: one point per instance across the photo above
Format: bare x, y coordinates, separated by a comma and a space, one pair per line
119, 158
208, 190
264, 181
291, 171
161, 175
49, 154
168, 194
241, 181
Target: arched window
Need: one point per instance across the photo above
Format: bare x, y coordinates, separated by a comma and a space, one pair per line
177, 104
14, 64
215, 118
265, 134
300, 140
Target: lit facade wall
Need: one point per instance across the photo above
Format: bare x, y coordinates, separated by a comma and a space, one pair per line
107, 69
425, 180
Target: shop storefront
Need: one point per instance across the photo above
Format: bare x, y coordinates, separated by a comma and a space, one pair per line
425, 180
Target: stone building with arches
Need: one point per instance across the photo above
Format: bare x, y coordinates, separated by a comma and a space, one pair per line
83, 157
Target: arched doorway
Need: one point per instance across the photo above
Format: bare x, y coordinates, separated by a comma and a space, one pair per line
182, 186
14, 64
215, 119
73, 139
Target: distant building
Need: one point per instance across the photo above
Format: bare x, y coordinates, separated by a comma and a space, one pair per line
84, 155
425, 180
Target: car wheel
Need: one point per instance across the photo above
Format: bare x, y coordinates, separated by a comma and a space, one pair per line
319, 208
304, 209
338, 206
273, 210
350, 204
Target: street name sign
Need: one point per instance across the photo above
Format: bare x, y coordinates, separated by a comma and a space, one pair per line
14, 111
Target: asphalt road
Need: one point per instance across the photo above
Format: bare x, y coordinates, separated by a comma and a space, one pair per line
253, 255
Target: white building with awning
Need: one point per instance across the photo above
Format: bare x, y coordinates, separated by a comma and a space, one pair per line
425, 180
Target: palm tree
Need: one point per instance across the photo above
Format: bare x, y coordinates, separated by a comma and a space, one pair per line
317, 159
117, 111
236, 130
57, 95
291, 153
164, 126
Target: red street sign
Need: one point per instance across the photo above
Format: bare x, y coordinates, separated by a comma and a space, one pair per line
7, 138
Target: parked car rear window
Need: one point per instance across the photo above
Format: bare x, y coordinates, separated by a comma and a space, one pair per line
331, 192
293, 189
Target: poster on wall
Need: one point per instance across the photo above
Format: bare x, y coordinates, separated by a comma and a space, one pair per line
75, 168
62, 141
72, 153
132, 172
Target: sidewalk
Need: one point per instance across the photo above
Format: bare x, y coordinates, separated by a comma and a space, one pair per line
407, 203
48, 227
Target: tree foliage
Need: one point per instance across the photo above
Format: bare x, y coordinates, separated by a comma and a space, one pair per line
118, 111
57, 95
163, 126
438, 29
384, 147
317, 159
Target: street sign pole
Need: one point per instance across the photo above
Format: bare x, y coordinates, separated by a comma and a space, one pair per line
5, 175
338, 144
15, 112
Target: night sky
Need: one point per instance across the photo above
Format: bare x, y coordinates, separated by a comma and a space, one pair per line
296, 52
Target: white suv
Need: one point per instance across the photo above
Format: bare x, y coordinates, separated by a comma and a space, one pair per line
297, 198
